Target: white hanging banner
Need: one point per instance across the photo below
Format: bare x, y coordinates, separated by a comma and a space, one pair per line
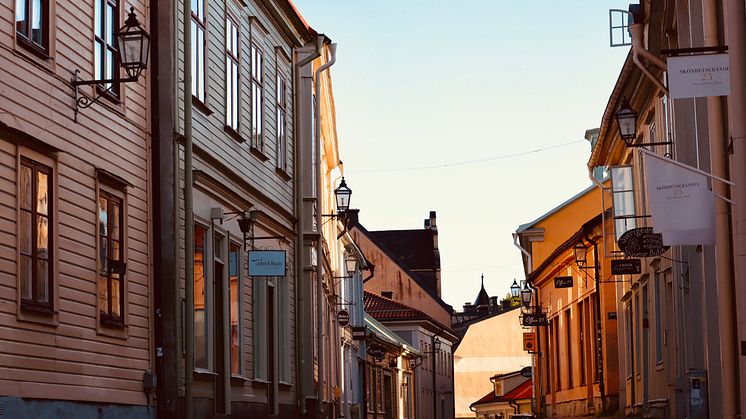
698, 76
681, 204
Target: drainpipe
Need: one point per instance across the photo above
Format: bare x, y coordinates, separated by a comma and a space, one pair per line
637, 31
723, 262
188, 220
535, 387
736, 34
303, 369
319, 244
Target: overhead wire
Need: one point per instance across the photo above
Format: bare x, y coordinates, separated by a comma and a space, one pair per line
468, 162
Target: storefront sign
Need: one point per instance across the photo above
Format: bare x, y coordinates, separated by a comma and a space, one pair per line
377, 352
626, 266
359, 332
529, 341
343, 318
534, 319
641, 242
611, 315
266, 263
699, 76
562, 282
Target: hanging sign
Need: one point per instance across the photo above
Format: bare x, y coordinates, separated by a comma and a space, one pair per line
377, 352
641, 242
359, 332
699, 76
562, 282
343, 318
626, 266
534, 319
529, 341
267, 263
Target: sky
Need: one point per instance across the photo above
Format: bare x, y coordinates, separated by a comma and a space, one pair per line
475, 109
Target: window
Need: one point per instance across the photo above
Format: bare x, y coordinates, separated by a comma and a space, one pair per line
629, 338
568, 334
200, 297
282, 141
32, 24
111, 258
232, 83
581, 341
638, 325
283, 326
257, 97
234, 273
261, 333
35, 228
623, 199
658, 318
105, 59
199, 28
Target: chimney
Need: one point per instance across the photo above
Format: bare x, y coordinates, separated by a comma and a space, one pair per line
388, 294
432, 226
352, 217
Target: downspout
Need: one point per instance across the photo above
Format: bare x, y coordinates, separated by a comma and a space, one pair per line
303, 369
599, 331
319, 245
535, 387
637, 31
188, 220
723, 261
736, 35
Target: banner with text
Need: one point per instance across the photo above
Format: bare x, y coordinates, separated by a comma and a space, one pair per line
681, 204
699, 76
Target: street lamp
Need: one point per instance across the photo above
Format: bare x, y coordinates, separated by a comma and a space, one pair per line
581, 254
526, 295
626, 119
343, 194
134, 47
351, 265
515, 289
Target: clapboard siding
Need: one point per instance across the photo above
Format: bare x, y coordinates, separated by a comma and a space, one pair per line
70, 358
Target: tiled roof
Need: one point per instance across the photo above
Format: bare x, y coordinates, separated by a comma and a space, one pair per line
522, 391
383, 309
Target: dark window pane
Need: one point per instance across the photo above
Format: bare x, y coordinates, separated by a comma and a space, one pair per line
26, 188
103, 294
37, 28
200, 324
42, 193
42, 281
26, 272
116, 249
104, 254
26, 232
103, 216
42, 237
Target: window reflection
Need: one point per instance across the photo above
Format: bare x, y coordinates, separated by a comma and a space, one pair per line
34, 233
200, 317
233, 267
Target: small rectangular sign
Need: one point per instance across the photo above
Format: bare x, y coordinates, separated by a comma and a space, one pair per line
359, 332
529, 342
535, 319
699, 76
612, 315
562, 282
626, 266
267, 263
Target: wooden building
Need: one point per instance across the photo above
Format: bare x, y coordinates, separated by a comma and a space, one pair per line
75, 231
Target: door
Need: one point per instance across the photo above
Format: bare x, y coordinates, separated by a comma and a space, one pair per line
388, 397
219, 328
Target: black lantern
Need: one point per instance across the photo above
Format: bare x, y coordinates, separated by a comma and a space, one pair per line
626, 119
436, 345
581, 254
515, 289
134, 45
351, 265
526, 295
343, 193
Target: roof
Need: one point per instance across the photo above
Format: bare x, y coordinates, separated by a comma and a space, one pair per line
386, 335
418, 277
524, 227
521, 391
413, 247
386, 309
482, 297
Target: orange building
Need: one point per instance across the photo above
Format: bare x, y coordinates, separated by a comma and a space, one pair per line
575, 366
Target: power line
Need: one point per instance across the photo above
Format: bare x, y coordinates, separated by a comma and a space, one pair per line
468, 162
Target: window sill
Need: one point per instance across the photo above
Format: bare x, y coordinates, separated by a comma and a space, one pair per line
258, 153
233, 134
203, 375
202, 106
239, 380
282, 174
659, 366
108, 95
259, 383
284, 386
32, 48
35, 314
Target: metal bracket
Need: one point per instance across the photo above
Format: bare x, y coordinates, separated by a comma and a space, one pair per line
82, 101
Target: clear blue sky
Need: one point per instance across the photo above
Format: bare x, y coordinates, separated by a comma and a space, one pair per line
430, 83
